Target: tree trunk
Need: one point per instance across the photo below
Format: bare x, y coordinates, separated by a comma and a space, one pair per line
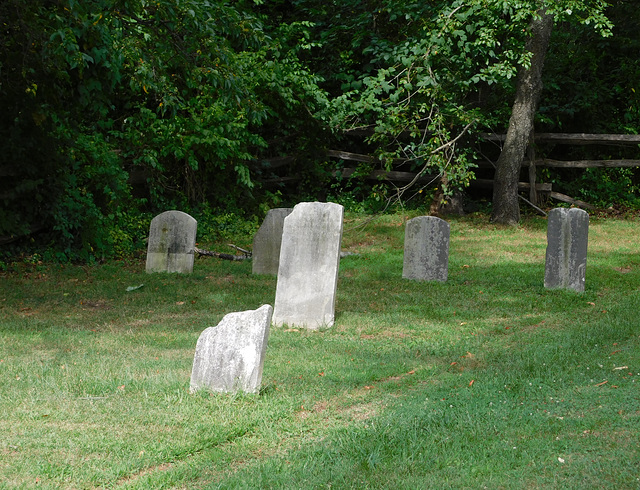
506, 209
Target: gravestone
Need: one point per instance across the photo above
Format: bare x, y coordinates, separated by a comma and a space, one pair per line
172, 238
308, 270
230, 356
426, 249
566, 258
267, 242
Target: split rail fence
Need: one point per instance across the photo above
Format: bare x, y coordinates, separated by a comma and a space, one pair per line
534, 163
531, 162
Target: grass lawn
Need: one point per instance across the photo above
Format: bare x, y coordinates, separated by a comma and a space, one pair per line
486, 381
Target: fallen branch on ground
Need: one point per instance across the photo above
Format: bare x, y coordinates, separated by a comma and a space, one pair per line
246, 254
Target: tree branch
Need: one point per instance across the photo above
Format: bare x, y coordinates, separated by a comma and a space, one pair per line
209, 253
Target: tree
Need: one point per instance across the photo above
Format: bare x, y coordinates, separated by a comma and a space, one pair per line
424, 91
187, 94
506, 208
198, 96
417, 76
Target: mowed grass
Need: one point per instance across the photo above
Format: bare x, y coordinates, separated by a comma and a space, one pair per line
487, 380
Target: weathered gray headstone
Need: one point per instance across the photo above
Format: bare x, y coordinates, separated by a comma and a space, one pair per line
230, 356
308, 270
426, 249
566, 259
267, 242
172, 238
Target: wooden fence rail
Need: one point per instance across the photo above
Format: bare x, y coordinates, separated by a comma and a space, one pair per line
531, 162
575, 138
586, 163
571, 139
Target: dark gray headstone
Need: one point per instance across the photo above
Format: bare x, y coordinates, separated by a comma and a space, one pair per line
230, 356
308, 270
426, 249
566, 259
267, 242
172, 238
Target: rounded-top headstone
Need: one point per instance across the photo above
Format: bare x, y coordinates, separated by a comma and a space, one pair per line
172, 239
268, 241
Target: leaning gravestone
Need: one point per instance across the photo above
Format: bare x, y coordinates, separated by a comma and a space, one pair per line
172, 239
230, 356
566, 259
268, 241
308, 270
426, 249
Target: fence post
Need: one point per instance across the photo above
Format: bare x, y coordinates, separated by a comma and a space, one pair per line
531, 154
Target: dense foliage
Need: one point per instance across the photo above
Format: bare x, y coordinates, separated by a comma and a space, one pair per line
118, 108
115, 110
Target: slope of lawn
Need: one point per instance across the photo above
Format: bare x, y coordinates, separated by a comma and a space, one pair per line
487, 380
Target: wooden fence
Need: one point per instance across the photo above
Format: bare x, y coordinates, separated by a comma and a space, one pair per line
531, 162
570, 139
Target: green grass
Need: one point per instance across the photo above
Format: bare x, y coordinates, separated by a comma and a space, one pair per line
488, 380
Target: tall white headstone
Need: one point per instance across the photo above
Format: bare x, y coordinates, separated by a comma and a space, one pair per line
309, 262
566, 258
426, 249
230, 356
268, 241
172, 239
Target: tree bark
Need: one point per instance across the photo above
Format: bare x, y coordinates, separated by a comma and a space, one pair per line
506, 209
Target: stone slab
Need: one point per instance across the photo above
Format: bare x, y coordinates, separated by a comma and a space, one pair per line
308, 269
268, 241
566, 256
172, 239
230, 357
426, 249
